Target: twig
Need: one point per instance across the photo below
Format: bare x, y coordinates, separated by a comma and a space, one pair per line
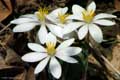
96, 47
4, 28
110, 65
2, 25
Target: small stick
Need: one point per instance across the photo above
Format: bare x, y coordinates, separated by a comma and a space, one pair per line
110, 65
2, 25
4, 28
97, 49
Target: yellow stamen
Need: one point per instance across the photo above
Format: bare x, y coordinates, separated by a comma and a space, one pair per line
50, 48
88, 15
62, 18
41, 13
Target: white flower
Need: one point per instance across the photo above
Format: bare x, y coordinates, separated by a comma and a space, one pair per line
59, 16
48, 54
28, 22
88, 21
60, 19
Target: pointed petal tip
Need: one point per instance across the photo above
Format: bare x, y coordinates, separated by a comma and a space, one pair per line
105, 22
77, 9
55, 68
14, 30
17, 30
41, 65
104, 16
93, 3
12, 22
35, 72
65, 44
42, 34
80, 49
96, 33
92, 6
73, 39
100, 41
23, 58
82, 32
36, 47
66, 8
51, 38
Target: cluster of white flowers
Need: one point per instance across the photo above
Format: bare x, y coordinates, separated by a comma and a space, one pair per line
60, 24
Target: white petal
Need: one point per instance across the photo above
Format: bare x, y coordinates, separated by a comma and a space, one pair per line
42, 34
76, 17
32, 16
24, 27
33, 57
77, 10
96, 33
104, 22
52, 18
64, 10
36, 47
70, 51
72, 26
103, 15
22, 20
55, 68
70, 35
66, 58
57, 11
91, 6
65, 44
53, 15
51, 38
82, 32
56, 30
41, 65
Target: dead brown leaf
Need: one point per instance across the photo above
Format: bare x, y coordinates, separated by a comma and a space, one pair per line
21, 76
2, 62
5, 67
23, 2
11, 56
116, 56
5, 9
23, 6
11, 72
30, 74
117, 4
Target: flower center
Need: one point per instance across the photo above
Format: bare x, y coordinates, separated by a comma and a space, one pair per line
50, 48
62, 18
41, 13
88, 15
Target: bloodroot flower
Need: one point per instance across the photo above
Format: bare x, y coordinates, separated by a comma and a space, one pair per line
60, 18
89, 22
28, 22
48, 55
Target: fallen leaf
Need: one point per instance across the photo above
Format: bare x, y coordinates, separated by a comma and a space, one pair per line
2, 62
30, 74
21, 76
5, 67
117, 4
116, 56
10, 72
5, 9
11, 56
23, 6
